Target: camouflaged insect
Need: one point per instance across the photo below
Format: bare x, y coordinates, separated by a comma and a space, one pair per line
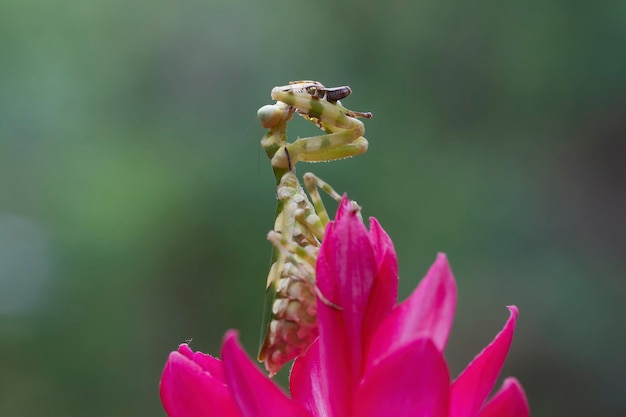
290, 316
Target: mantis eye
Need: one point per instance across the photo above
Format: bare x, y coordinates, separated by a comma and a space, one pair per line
313, 90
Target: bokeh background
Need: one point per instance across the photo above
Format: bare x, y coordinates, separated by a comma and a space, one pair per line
135, 198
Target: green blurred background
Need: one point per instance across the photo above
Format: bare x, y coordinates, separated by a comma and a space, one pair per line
135, 198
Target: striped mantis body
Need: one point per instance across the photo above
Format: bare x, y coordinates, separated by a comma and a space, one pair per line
290, 315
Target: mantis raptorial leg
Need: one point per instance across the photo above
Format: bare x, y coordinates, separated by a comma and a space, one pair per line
290, 318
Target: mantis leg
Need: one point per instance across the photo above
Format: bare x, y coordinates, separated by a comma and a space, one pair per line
312, 183
313, 220
330, 147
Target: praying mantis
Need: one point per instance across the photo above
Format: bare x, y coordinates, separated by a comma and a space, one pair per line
290, 314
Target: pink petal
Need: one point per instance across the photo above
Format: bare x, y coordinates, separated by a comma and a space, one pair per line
188, 390
471, 388
509, 401
255, 394
308, 383
346, 270
385, 291
411, 382
207, 362
344, 207
428, 312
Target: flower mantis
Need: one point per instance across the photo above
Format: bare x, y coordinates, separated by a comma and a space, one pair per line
290, 314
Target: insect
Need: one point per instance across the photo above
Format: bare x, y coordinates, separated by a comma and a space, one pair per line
290, 315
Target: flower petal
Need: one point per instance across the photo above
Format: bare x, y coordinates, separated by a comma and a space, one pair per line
308, 383
255, 394
345, 206
471, 388
411, 382
346, 270
189, 390
207, 362
428, 312
509, 401
385, 291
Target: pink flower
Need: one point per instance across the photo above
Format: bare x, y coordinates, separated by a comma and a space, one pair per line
371, 358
